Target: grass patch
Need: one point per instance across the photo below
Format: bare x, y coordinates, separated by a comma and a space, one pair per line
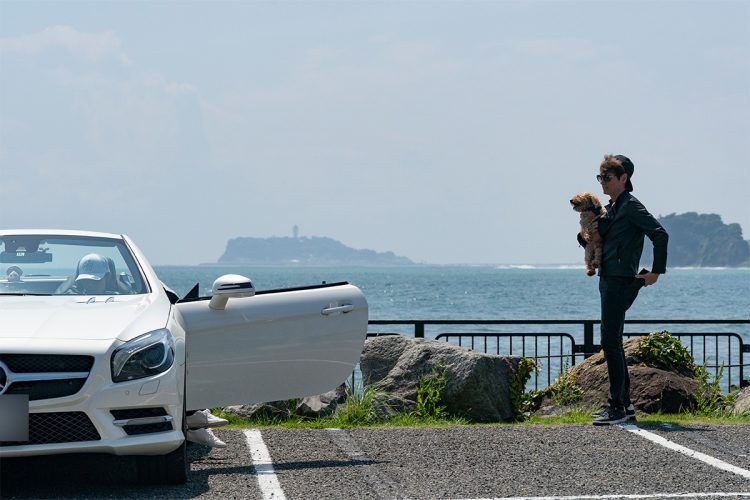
401, 420
693, 418
576, 416
363, 408
579, 416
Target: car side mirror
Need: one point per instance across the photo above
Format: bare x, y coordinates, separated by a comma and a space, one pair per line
230, 286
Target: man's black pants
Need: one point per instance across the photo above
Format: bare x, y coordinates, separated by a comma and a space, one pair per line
617, 295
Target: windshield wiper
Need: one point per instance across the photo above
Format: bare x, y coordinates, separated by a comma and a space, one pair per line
32, 294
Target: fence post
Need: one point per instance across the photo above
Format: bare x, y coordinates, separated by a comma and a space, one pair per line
418, 330
588, 339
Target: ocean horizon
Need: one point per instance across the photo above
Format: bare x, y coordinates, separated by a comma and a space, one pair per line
499, 291
509, 292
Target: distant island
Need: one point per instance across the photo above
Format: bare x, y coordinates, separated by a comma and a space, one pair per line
304, 251
695, 240
701, 240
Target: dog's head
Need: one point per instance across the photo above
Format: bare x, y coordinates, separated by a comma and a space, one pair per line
586, 202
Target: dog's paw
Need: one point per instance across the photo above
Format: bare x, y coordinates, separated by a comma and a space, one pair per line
590, 272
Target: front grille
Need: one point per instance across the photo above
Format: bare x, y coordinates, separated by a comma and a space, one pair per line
46, 389
33, 374
62, 427
30, 363
132, 430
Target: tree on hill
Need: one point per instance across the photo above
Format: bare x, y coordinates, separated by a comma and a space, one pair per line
701, 240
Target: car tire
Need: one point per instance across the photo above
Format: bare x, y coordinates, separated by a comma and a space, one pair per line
164, 469
171, 468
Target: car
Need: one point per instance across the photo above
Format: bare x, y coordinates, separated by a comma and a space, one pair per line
105, 358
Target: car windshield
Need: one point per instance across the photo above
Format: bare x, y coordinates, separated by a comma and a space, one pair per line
68, 265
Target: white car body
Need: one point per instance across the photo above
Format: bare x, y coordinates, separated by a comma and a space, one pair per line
253, 347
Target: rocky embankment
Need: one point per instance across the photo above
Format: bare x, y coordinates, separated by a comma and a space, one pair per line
487, 388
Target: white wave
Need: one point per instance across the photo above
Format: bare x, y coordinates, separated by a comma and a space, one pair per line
540, 266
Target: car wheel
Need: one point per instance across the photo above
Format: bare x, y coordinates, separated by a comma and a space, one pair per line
171, 468
164, 469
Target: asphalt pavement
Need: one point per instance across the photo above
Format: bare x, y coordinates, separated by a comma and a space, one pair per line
462, 462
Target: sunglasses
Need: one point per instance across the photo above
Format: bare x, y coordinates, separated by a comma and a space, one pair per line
605, 177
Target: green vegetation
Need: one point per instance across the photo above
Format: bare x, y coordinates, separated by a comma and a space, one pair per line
519, 398
368, 407
564, 392
361, 410
693, 418
577, 416
429, 389
710, 400
662, 350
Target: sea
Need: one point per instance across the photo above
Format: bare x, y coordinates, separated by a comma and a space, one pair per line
505, 292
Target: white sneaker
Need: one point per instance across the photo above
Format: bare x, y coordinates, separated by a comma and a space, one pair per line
204, 418
204, 437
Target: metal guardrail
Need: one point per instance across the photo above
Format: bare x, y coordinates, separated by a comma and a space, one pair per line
715, 350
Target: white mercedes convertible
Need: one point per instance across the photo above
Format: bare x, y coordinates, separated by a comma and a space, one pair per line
98, 356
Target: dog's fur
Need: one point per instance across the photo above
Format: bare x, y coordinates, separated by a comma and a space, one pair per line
588, 205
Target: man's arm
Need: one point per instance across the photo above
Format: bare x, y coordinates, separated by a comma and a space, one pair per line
646, 222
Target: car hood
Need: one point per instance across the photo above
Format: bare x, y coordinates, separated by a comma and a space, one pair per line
78, 317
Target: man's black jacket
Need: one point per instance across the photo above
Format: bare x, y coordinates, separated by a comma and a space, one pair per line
622, 229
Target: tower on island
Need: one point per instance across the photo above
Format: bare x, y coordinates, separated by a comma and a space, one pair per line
295, 231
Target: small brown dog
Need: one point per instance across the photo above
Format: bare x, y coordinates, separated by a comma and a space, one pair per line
588, 205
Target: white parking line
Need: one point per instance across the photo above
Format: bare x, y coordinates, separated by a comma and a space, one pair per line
269, 484
715, 462
604, 497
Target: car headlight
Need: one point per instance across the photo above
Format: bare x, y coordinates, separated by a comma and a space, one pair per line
143, 356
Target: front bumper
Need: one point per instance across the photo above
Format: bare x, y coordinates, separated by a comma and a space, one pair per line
151, 444
99, 406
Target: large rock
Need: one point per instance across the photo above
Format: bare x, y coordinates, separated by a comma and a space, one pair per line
742, 403
477, 384
272, 409
322, 405
652, 388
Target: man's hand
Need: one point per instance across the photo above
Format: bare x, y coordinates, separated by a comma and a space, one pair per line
648, 278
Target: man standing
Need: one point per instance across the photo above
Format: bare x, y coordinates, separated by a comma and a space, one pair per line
622, 229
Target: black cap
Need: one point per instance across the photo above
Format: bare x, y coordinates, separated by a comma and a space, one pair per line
629, 168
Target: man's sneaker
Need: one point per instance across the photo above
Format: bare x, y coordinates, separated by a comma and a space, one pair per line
611, 416
629, 411
204, 418
205, 437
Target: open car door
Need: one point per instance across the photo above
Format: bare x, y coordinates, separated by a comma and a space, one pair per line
272, 346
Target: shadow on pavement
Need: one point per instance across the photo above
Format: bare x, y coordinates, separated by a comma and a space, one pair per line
91, 476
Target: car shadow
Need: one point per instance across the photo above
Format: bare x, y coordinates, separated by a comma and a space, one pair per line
91, 476
109, 476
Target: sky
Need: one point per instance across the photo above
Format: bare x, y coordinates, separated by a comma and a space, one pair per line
446, 132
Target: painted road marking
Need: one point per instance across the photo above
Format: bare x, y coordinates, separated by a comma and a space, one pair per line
715, 462
269, 484
604, 497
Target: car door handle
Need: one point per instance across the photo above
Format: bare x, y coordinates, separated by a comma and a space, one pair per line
337, 309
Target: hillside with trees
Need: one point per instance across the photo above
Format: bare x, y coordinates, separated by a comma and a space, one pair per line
312, 251
701, 240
